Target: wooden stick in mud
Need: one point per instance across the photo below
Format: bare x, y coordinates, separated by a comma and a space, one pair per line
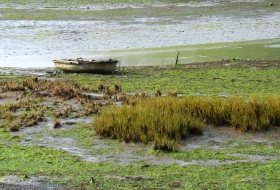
177, 59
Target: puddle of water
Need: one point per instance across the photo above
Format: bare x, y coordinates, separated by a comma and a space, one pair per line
94, 94
274, 46
15, 182
68, 145
124, 153
66, 123
248, 158
23, 181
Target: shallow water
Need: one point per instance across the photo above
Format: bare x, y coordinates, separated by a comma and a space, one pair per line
125, 153
141, 41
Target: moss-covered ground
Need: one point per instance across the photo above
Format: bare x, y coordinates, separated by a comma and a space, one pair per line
233, 163
245, 78
80, 10
239, 162
73, 172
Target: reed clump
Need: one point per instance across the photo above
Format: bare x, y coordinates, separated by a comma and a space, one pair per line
250, 115
162, 120
273, 109
244, 114
118, 87
66, 89
215, 110
56, 123
167, 120
14, 126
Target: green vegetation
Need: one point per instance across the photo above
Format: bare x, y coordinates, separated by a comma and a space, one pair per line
84, 10
72, 172
167, 120
244, 78
241, 94
75, 1
52, 14
164, 121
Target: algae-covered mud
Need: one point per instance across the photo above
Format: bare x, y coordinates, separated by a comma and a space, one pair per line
138, 33
48, 140
47, 118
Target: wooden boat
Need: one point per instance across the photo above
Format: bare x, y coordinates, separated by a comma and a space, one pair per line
81, 65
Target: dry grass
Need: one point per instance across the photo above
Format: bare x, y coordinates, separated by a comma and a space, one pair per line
167, 120
56, 123
27, 97
162, 120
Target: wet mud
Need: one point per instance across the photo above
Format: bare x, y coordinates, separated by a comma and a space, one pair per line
32, 43
141, 39
107, 150
73, 111
28, 183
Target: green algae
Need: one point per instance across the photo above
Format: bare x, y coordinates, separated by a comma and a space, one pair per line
230, 78
73, 172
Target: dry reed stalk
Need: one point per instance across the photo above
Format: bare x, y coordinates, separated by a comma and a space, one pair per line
14, 126
160, 120
158, 93
173, 93
118, 86
56, 123
100, 85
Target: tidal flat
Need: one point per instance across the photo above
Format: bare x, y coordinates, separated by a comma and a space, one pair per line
136, 32
38, 154
228, 49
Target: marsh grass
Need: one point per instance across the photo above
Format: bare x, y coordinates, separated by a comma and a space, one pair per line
56, 123
167, 120
26, 107
161, 120
245, 114
66, 89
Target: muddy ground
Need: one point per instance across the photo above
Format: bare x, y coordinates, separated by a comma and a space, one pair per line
139, 34
186, 27
43, 133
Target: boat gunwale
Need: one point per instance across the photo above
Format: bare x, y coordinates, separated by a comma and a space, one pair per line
86, 66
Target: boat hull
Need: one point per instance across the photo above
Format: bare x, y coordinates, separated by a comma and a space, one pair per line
86, 66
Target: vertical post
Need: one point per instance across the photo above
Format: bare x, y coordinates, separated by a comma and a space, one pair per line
177, 59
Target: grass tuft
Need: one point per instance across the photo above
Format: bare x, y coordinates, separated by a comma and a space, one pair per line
167, 120
162, 120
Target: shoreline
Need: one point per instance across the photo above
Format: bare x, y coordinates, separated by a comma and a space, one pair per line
148, 35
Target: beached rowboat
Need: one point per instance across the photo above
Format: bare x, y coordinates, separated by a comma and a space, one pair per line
81, 65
